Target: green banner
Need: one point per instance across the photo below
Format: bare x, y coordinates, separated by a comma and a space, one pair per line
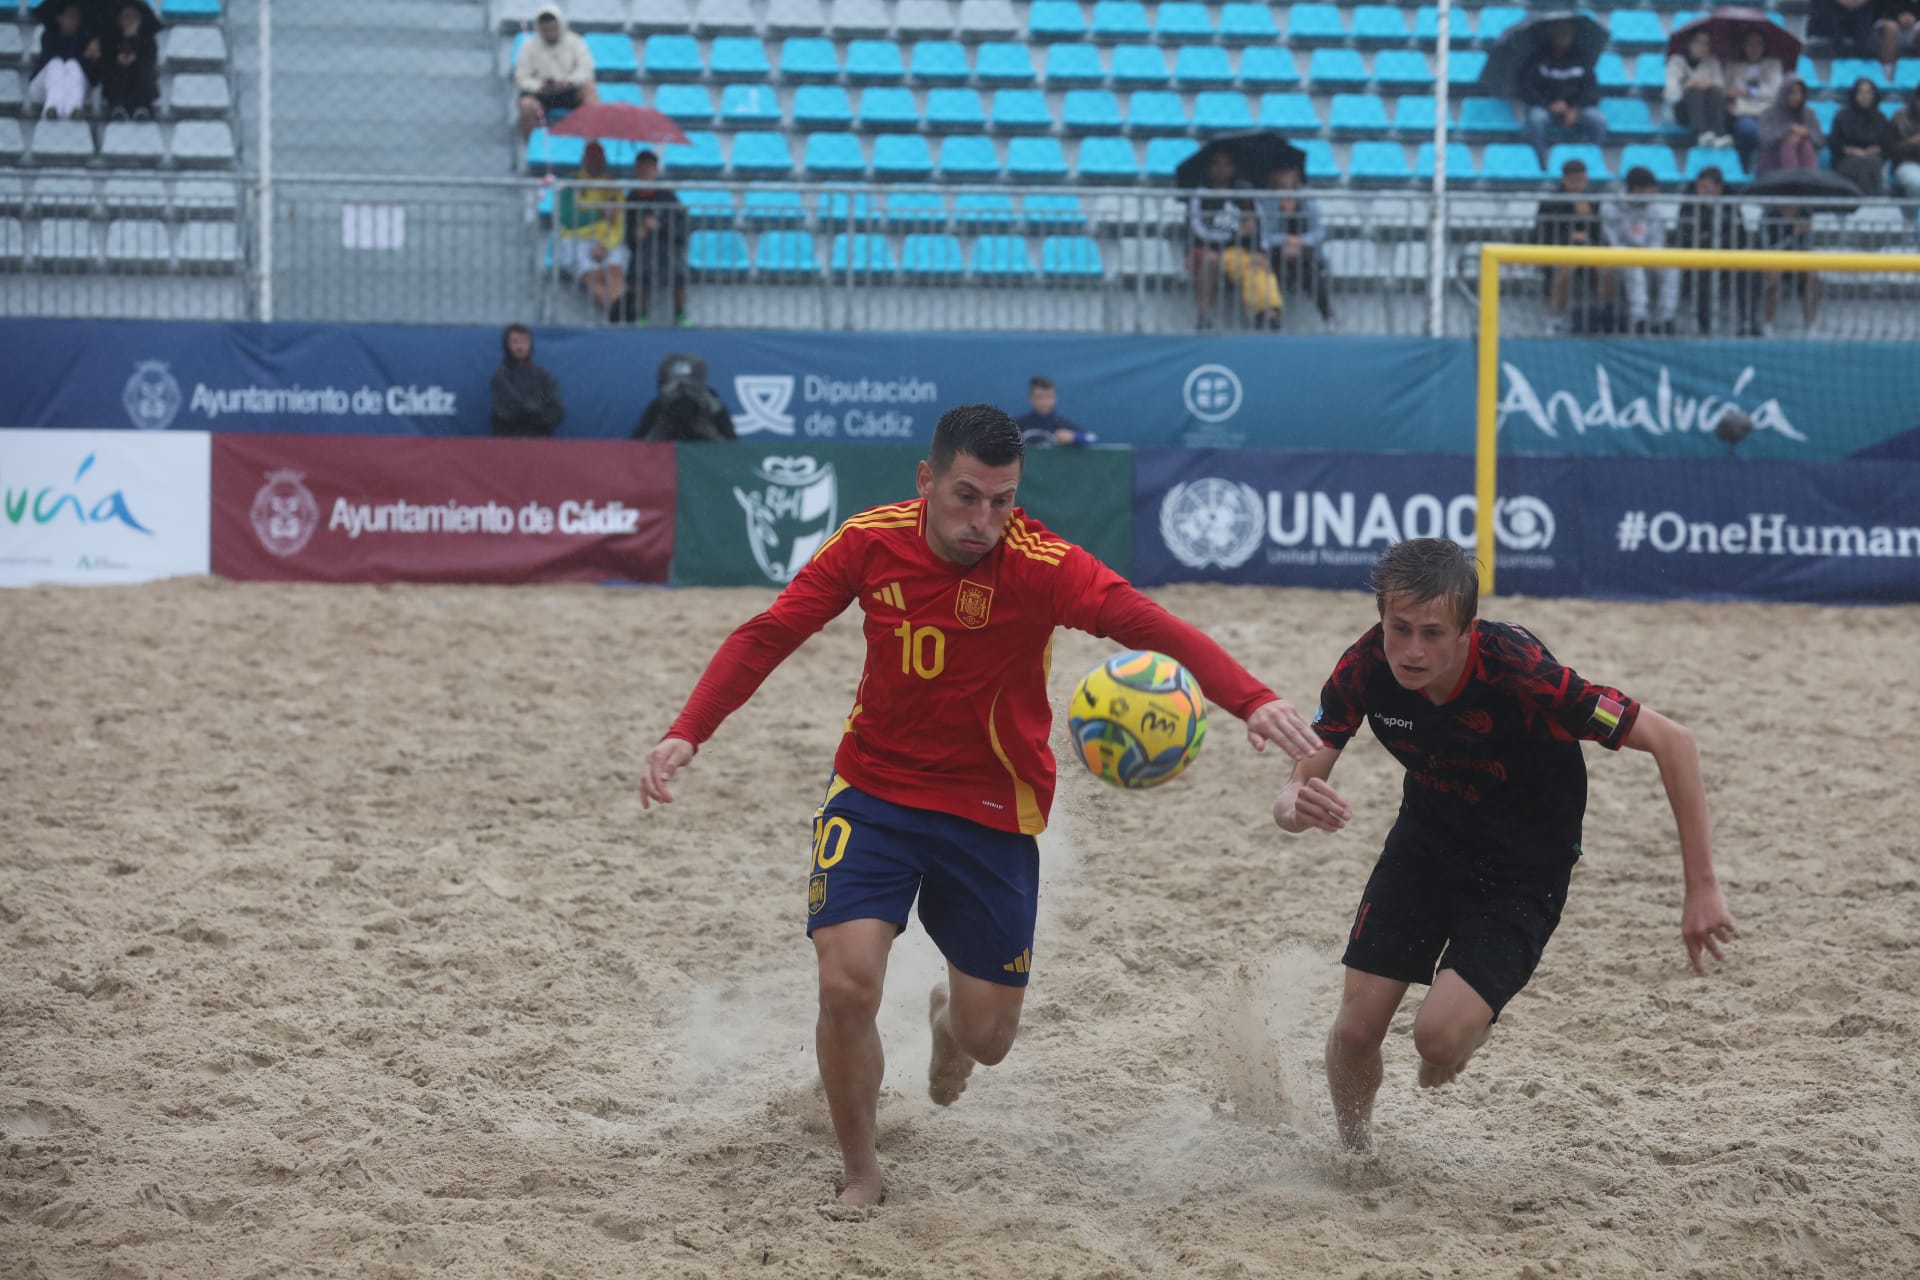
752, 514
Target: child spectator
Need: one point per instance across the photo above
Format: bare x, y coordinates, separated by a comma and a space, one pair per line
592, 242
1573, 219
1633, 223
1753, 82
1043, 427
1696, 94
554, 71
1293, 233
1708, 225
526, 399
1861, 139
1560, 93
130, 64
1904, 144
1790, 136
657, 242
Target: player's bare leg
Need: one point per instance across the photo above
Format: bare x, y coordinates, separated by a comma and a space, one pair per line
1354, 1069
973, 1021
853, 967
1452, 1024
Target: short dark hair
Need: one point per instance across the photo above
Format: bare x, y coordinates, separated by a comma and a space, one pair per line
1039, 382
1428, 569
1574, 164
645, 153
1640, 178
1711, 171
979, 431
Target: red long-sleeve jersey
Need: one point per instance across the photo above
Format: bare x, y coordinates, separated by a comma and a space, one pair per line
951, 712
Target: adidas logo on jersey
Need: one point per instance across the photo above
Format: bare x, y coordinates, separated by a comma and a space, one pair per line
891, 595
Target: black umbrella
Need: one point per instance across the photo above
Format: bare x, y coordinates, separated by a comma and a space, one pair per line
97, 17
1513, 55
1784, 186
1255, 155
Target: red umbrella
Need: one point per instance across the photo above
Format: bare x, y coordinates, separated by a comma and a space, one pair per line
1729, 27
620, 120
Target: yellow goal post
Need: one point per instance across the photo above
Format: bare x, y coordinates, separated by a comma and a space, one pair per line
1495, 256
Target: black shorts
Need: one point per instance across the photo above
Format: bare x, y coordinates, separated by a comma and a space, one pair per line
1427, 908
567, 99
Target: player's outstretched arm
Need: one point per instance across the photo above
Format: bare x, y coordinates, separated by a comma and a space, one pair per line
1705, 923
1308, 802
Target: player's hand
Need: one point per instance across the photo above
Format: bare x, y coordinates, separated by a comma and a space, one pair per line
1281, 723
1317, 805
668, 756
1705, 924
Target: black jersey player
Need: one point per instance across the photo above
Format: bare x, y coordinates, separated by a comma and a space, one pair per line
1475, 870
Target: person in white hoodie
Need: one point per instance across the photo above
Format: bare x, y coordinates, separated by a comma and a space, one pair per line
1634, 223
553, 72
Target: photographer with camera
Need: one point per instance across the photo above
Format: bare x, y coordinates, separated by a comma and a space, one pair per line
685, 407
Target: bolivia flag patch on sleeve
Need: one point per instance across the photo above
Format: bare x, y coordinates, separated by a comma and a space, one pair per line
1607, 714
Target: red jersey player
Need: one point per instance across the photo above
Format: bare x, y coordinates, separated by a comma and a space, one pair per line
943, 775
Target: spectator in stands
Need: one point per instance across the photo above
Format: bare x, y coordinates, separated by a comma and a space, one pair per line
1633, 223
130, 64
526, 399
1789, 229
1904, 144
1861, 139
1753, 82
1848, 24
1707, 225
1293, 233
591, 245
1899, 31
59, 77
1696, 94
554, 71
1221, 225
686, 408
1561, 93
1790, 136
657, 243
1572, 219
1044, 426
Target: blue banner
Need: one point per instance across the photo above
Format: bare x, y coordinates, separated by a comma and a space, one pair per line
1565, 397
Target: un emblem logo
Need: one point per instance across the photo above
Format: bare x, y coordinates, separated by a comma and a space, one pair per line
151, 396
763, 398
1212, 393
1212, 522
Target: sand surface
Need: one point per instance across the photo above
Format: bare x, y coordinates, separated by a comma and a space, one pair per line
334, 941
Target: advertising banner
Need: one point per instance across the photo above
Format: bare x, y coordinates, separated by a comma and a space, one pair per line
101, 506
753, 514
340, 509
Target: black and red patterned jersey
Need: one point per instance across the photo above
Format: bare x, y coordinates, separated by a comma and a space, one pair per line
1495, 771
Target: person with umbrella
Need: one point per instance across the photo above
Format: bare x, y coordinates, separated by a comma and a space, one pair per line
1224, 232
1790, 134
591, 244
1861, 138
553, 71
60, 76
1696, 95
1560, 92
130, 62
1753, 82
1293, 232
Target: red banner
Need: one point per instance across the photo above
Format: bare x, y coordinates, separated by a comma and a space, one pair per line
396, 509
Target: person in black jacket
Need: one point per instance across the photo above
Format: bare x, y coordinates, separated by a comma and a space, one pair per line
657, 239
1561, 93
686, 408
1860, 139
1707, 225
130, 63
1572, 218
526, 399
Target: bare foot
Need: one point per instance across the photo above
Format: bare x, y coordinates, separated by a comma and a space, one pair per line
1356, 1131
947, 1073
863, 1190
1433, 1075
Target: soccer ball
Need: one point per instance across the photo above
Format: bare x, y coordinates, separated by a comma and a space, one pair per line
1138, 719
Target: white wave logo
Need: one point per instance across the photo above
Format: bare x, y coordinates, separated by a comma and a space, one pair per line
152, 396
1523, 523
1211, 521
1212, 393
763, 398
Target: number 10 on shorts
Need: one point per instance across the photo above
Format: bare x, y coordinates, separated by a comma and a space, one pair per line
830, 837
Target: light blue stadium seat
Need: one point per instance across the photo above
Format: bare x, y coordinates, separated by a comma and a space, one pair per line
882, 108
916, 210
1629, 118
1107, 159
739, 58
1242, 23
1488, 118
875, 62
804, 58
1311, 24
1049, 20
969, 159
1322, 168
1182, 22
1120, 20
1069, 64
984, 211
1650, 73
1635, 30
700, 157
1846, 70
1031, 159
932, 256
786, 253
544, 152
762, 154
707, 207
902, 155
1610, 70
1809, 73
1725, 159
1157, 111
822, 106
1011, 65
771, 208
1268, 67
1593, 157
718, 252
938, 62
1655, 158
672, 58
1071, 258
1414, 113
1140, 65
1511, 164
1200, 65
1020, 111
1460, 165
1090, 111
1332, 68
1906, 75
861, 252
1054, 212
1221, 112
1290, 113
625, 93
1378, 162
1824, 112
684, 103
1000, 258
1426, 26
841, 209
1379, 24
1402, 69
1493, 22
613, 56
1464, 67
1165, 154
955, 109
1353, 113
189, 10
833, 155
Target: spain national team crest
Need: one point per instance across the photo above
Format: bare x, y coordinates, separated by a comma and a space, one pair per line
816, 893
973, 604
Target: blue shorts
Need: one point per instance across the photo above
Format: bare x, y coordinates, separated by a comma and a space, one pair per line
978, 887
